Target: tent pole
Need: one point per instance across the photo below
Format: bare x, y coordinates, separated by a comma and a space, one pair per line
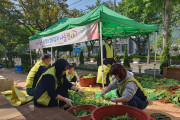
101, 53
155, 55
51, 55
31, 57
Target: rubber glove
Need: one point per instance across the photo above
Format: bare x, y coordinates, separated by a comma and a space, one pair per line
80, 91
69, 102
114, 100
103, 95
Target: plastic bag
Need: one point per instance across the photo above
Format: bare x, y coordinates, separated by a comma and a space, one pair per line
111, 94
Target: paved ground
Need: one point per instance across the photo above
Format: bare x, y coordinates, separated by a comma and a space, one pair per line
170, 109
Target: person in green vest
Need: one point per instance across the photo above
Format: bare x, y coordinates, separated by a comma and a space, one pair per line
52, 87
129, 89
108, 51
35, 72
71, 74
107, 63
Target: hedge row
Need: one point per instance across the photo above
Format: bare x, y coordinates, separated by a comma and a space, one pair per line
176, 57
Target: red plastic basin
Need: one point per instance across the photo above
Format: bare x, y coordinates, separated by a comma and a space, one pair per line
117, 110
83, 107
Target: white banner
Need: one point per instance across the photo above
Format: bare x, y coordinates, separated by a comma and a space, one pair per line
71, 36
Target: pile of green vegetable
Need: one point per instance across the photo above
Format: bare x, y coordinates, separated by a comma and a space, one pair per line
81, 112
88, 76
165, 90
161, 89
82, 99
122, 117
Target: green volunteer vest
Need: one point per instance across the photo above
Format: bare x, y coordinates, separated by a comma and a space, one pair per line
32, 73
137, 83
44, 99
109, 51
72, 75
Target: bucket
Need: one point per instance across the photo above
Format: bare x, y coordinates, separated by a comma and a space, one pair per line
85, 82
118, 110
19, 68
83, 107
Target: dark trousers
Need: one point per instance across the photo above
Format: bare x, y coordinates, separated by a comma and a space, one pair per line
137, 102
30, 91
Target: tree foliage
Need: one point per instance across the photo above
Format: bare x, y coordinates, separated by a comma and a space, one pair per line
140, 42
108, 4
137, 11
23, 18
81, 58
89, 46
165, 60
167, 9
126, 58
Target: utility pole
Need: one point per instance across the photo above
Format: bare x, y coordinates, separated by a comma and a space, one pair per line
115, 5
114, 39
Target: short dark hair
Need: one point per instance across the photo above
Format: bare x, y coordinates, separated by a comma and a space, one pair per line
109, 38
110, 61
45, 56
105, 62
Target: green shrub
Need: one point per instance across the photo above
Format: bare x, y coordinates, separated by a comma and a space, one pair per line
126, 58
26, 67
165, 60
7, 64
176, 57
119, 57
26, 60
81, 58
70, 56
63, 57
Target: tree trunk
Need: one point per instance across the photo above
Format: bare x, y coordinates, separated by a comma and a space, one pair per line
53, 53
89, 53
57, 55
166, 13
149, 55
138, 46
6, 62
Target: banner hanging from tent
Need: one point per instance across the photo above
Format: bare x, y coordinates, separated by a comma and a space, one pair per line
71, 36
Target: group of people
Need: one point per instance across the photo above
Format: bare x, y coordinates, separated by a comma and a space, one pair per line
129, 90
50, 86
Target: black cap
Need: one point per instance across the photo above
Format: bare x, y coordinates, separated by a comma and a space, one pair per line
109, 38
45, 56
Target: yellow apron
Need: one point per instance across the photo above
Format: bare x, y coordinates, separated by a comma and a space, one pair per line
99, 75
16, 97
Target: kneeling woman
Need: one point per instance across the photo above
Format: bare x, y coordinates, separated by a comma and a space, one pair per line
72, 75
129, 91
53, 86
107, 63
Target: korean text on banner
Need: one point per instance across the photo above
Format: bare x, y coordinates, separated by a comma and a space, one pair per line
71, 36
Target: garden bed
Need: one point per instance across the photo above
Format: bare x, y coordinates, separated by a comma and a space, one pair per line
164, 90
172, 73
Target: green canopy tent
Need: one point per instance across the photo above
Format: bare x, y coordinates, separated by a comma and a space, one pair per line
110, 23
